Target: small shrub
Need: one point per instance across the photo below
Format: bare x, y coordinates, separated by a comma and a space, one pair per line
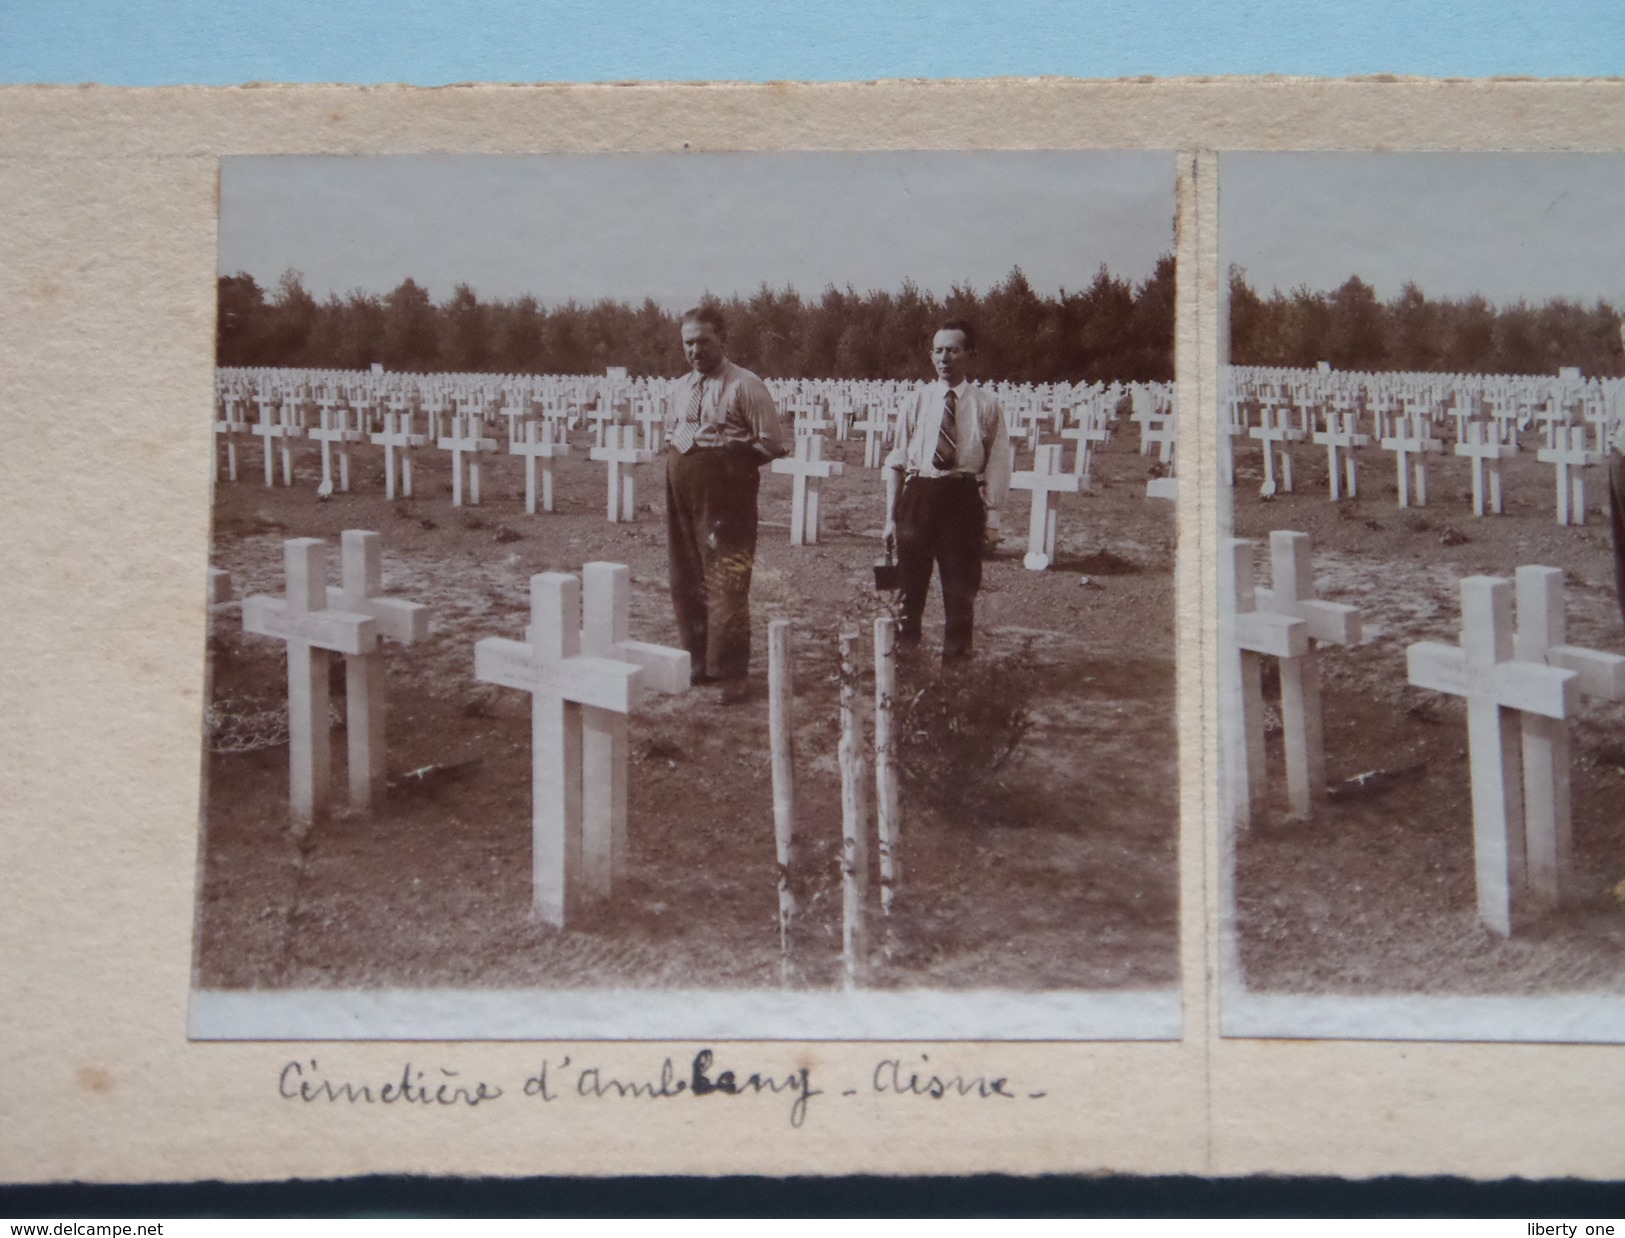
960, 731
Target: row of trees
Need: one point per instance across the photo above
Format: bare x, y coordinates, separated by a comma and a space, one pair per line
1352, 330
1111, 330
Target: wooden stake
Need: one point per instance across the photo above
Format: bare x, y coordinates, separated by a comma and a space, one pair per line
854, 815
779, 693
886, 759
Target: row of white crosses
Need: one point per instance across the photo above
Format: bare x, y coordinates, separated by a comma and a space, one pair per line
1327, 407
1521, 685
584, 674
456, 424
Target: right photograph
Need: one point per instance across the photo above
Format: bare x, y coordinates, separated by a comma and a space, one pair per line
1421, 596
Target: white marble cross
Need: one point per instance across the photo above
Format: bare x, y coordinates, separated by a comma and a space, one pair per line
362, 593
334, 431
808, 468
651, 417
1302, 720
623, 455
1247, 636
606, 633
876, 427
1045, 481
1341, 433
562, 682
467, 439
540, 446
1274, 427
1569, 453
1086, 431
1411, 437
273, 429
397, 436
1496, 685
311, 630
1486, 453
1542, 637
605, 423
810, 419
227, 427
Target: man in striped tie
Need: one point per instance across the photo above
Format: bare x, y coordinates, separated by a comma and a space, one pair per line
951, 466
721, 427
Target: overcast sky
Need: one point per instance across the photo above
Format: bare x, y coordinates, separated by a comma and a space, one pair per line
672, 226
1503, 226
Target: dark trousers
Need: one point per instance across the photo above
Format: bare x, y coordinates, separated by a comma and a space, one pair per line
940, 521
711, 542
1616, 509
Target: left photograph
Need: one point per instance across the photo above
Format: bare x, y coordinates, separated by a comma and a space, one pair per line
693, 596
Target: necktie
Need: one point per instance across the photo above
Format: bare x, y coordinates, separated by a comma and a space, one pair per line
947, 453
682, 437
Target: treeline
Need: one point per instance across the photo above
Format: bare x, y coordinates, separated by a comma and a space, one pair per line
1111, 330
1352, 330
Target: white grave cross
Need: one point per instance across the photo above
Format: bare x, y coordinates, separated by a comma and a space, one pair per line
605, 633
1411, 437
1541, 637
1302, 724
808, 468
1248, 635
1484, 670
622, 453
1045, 481
397, 436
540, 446
561, 681
362, 593
467, 438
1275, 426
1341, 433
334, 431
1569, 452
1486, 453
311, 632
271, 430
227, 427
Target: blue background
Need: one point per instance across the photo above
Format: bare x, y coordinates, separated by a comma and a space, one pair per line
433, 42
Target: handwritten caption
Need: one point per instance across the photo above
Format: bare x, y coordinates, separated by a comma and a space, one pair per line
893, 1079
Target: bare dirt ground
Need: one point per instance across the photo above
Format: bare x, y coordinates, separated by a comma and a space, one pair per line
1376, 894
1064, 876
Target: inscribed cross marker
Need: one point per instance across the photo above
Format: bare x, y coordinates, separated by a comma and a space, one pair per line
622, 453
1045, 481
540, 446
362, 593
1302, 722
1486, 453
301, 618
1485, 670
808, 468
561, 681
1248, 635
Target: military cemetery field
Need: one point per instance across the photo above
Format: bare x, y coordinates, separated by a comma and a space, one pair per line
1376, 893
1056, 871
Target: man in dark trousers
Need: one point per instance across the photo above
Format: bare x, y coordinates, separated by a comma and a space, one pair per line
721, 427
951, 466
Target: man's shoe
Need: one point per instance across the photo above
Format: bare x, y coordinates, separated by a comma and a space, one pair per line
735, 691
